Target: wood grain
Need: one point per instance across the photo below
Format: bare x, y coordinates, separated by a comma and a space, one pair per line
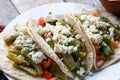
24, 5
11, 8
7, 12
94, 3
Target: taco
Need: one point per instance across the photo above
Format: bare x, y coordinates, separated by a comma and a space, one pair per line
103, 31
22, 58
66, 40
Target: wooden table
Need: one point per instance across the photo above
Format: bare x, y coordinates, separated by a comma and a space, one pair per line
9, 9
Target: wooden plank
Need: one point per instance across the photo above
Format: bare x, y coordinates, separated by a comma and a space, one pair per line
94, 3
88, 2
28, 4
7, 12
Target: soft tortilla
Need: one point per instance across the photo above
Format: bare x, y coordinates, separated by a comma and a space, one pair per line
38, 39
45, 47
114, 20
89, 58
6, 64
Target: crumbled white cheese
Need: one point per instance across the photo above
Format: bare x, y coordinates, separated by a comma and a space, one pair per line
93, 28
50, 18
58, 49
77, 36
70, 49
101, 32
43, 30
55, 36
102, 24
75, 49
70, 39
64, 49
65, 32
48, 39
96, 38
21, 57
92, 19
83, 17
103, 43
81, 71
31, 53
25, 40
61, 34
27, 45
111, 31
38, 57
29, 41
85, 24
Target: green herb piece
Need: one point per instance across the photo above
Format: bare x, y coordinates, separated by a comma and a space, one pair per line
104, 19
107, 39
51, 43
107, 50
73, 43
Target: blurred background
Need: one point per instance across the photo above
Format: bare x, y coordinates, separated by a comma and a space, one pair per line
9, 9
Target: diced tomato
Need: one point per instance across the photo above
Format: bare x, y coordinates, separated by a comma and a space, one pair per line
94, 14
48, 35
97, 56
115, 44
96, 46
47, 75
46, 63
41, 21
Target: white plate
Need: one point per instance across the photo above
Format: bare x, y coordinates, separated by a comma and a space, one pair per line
110, 73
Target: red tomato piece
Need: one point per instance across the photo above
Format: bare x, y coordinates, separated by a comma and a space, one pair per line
46, 63
115, 44
47, 75
41, 21
94, 14
97, 56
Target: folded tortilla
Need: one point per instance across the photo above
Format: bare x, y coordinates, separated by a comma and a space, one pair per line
6, 64
116, 56
49, 51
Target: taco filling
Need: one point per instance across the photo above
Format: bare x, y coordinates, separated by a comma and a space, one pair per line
28, 57
104, 35
65, 42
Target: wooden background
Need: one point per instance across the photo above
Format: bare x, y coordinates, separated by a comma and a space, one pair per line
9, 9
